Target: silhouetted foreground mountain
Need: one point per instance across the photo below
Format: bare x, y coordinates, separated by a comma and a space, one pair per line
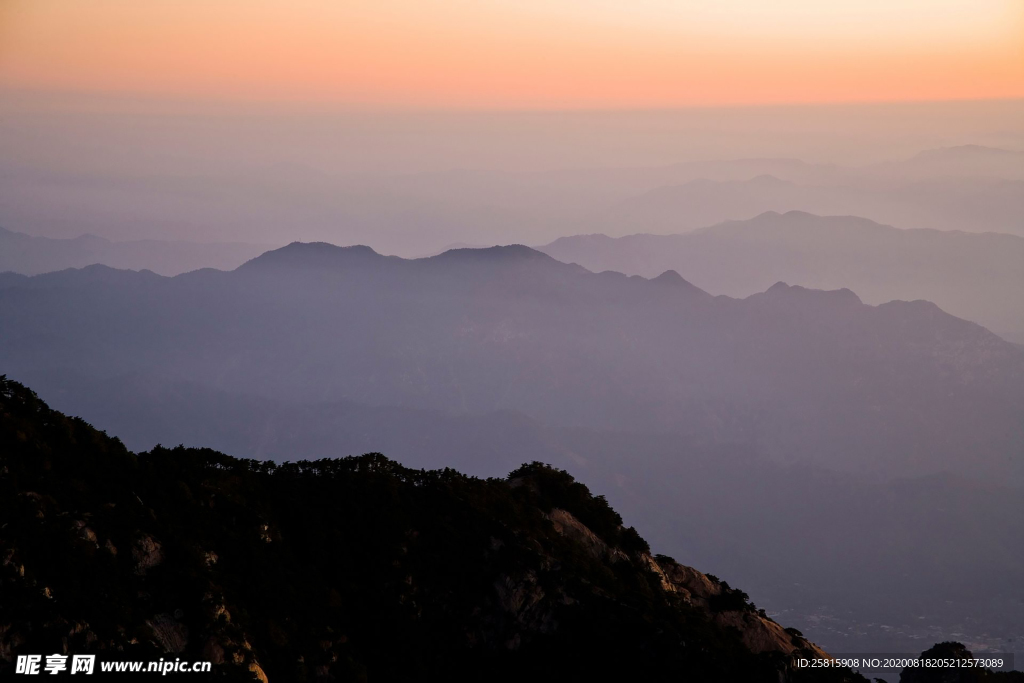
977, 277
30, 255
757, 523
351, 569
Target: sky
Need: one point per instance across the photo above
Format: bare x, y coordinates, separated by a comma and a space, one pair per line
518, 54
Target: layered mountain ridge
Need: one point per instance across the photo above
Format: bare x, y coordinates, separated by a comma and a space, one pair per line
976, 276
508, 328
31, 255
793, 409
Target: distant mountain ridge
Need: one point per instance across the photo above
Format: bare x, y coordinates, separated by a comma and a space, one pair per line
966, 159
314, 255
800, 408
509, 328
979, 277
958, 188
970, 203
31, 255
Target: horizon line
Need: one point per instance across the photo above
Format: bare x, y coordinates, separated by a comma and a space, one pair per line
307, 105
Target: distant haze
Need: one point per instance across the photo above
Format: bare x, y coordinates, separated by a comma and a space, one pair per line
28, 255
413, 182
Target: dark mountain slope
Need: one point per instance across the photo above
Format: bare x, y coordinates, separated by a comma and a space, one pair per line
755, 523
354, 569
316, 255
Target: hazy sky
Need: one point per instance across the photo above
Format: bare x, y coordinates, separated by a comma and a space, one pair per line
522, 53
276, 120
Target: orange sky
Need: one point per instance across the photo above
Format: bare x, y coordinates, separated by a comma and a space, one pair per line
519, 53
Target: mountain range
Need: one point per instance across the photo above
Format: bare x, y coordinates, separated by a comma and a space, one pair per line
792, 409
31, 255
799, 373
968, 188
978, 277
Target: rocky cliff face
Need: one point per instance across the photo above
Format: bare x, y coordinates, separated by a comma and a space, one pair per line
349, 569
724, 606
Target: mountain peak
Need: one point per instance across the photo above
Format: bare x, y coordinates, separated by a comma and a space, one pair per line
512, 255
673, 279
495, 254
90, 239
782, 290
670, 277
589, 238
776, 217
801, 220
318, 255
965, 151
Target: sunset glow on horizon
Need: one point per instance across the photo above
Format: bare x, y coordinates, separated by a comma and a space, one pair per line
532, 53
